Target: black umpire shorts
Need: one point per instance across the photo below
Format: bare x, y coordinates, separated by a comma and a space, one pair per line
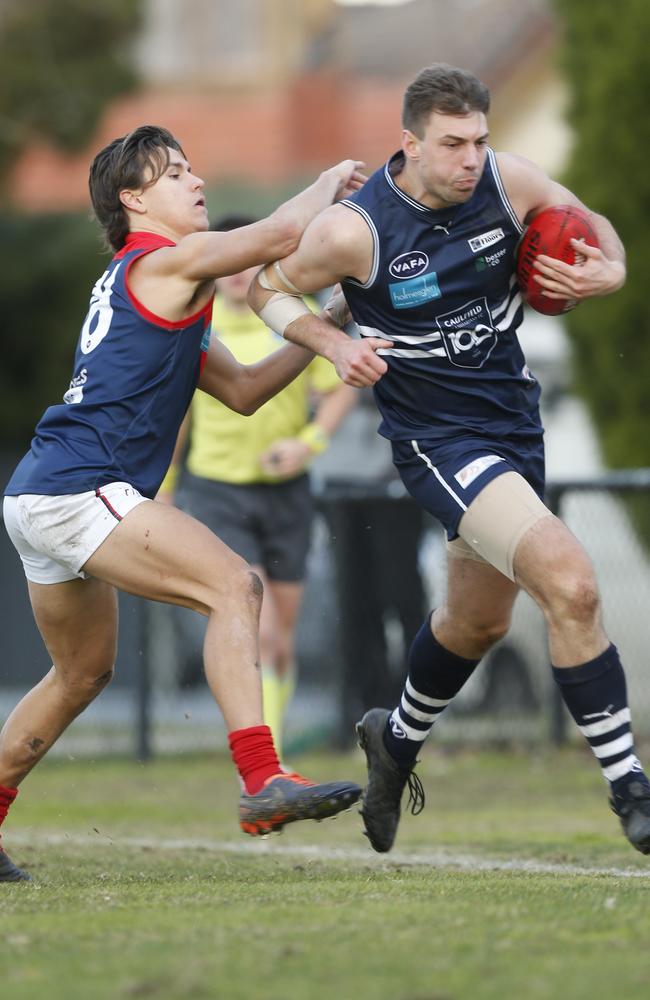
267, 524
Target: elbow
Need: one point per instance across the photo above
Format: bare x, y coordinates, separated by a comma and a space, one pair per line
245, 404
239, 404
287, 236
244, 397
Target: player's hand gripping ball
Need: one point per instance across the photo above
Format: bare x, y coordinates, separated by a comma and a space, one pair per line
550, 233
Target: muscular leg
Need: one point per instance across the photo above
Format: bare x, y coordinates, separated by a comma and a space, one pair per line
160, 553
78, 623
475, 614
157, 552
477, 609
509, 526
552, 566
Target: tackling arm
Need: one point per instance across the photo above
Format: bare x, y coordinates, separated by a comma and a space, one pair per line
204, 256
244, 388
336, 245
175, 281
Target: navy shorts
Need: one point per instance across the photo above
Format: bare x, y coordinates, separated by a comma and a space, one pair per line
267, 524
444, 477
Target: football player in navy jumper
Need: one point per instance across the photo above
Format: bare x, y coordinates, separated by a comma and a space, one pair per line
425, 252
80, 507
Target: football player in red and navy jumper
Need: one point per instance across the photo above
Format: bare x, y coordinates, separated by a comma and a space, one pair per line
80, 506
425, 252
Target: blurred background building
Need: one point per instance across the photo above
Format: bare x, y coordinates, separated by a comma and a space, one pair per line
266, 91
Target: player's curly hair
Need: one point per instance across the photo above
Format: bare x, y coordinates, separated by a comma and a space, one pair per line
124, 163
442, 88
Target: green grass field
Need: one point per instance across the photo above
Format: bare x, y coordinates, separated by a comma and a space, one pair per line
515, 882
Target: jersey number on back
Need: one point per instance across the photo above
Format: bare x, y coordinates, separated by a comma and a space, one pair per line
100, 313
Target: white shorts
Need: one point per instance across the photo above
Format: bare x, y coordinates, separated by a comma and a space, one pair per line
55, 536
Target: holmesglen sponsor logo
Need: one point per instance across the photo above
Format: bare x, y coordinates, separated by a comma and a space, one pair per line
486, 240
415, 292
409, 264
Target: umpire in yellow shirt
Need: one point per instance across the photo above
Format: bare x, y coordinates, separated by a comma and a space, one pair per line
246, 477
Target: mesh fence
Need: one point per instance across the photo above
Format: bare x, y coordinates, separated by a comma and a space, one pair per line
376, 566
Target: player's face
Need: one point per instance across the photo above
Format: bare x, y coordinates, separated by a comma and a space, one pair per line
448, 160
176, 201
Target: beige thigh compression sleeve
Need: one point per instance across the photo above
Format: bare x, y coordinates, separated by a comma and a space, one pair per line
495, 522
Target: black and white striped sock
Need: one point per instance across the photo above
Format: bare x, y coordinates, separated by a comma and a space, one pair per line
435, 676
596, 695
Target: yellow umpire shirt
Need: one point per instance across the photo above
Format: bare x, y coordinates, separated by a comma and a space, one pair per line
225, 445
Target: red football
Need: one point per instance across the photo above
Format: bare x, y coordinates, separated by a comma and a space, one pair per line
550, 233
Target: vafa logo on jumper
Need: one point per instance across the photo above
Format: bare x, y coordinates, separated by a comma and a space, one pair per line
486, 240
409, 264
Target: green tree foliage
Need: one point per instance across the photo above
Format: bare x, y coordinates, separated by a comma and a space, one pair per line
605, 57
62, 61
48, 266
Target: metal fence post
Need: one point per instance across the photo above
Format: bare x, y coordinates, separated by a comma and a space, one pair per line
143, 691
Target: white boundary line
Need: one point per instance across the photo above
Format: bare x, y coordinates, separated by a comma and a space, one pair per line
351, 855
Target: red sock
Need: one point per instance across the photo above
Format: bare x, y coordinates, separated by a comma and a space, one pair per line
254, 756
7, 795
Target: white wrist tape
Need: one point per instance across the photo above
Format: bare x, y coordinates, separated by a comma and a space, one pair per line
286, 305
277, 278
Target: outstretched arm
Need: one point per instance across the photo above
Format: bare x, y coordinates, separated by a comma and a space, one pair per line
336, 245
598, 271
204, 256
175, 281
244, 388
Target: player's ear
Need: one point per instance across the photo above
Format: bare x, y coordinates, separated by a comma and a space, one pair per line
131, 199
410, 144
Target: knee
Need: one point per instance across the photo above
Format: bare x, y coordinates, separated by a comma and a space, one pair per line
484, 635
238, 586
255, 587
244, 588
470, 637
81, 690
575, 595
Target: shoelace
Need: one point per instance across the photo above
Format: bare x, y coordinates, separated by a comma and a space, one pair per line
416, 798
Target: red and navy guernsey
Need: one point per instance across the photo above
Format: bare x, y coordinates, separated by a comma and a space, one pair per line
134, 376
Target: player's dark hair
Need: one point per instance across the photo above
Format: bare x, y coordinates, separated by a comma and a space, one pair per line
226, 223
445, 89
125, 163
